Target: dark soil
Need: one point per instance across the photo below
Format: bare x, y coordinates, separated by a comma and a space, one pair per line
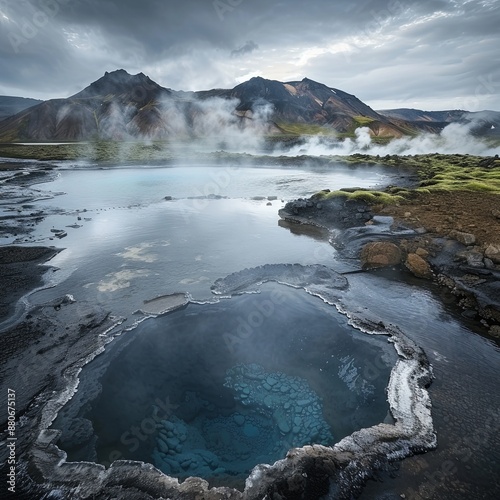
442, 212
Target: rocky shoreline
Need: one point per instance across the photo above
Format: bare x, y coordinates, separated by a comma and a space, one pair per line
373, 237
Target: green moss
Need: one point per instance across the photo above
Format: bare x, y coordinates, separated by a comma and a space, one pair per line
93, 151
480, 186
436, 172
363, 120
372, 197
298, 129
459, 174
423, 191
439, 172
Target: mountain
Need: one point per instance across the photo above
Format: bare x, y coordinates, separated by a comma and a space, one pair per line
10, 106
117, 106
417, 115
309, 103
121, 106
483, 123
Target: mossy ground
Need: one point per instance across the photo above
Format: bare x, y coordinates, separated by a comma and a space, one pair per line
371, 197
98, 151
304, 129
451, 192
363, 120
437, 173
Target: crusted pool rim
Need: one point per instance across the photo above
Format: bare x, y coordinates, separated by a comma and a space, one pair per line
339, 471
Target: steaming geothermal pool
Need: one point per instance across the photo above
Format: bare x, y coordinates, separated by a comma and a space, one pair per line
220, 401
229, 385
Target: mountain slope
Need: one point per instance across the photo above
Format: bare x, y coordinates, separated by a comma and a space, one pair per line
307, 102
105, 110
413, 115
10, 106
483, 123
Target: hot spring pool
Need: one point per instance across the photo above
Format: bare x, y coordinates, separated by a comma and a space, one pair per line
213, 390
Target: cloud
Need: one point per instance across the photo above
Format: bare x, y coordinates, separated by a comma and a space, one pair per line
433, 51
247, 48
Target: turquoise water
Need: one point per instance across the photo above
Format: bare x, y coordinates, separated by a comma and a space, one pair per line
113, 187
213, 390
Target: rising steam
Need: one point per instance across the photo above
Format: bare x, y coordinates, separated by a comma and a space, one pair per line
196, 125
455, 138
215, 124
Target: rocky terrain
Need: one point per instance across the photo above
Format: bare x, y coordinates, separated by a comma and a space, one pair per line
20, 272
451, 237
43, 471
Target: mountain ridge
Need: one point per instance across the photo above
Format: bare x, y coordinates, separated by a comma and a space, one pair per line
121, 106
483, 123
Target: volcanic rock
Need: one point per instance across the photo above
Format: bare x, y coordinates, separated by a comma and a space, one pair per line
465, 238
380, 254
492, 252
418, 266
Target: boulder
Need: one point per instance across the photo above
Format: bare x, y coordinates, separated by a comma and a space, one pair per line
465, 238
488, 263
380, 254
418, 266
492, 252
422, 252
472, 258
475, 259
495, 331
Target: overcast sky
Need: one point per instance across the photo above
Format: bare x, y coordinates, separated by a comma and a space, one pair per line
427, 54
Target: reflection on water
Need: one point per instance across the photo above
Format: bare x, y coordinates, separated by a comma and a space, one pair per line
126, 243
122, 258
120, 187
213, 390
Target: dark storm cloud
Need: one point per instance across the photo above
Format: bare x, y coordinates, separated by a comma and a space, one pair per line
247, 48
378, 49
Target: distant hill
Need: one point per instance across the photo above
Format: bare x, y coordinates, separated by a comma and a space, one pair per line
414, 115
10, 106
484, 123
